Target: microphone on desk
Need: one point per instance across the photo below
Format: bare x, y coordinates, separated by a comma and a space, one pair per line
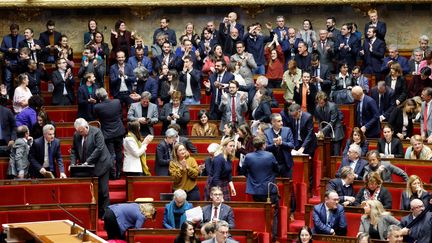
84, 236
268, 190
331, 127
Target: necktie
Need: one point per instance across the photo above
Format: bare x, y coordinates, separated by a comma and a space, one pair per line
50, 157
346, 40
379, 104
84, 151
215, 216
219, 79
359, 113
233, 110
425, 118
322, 45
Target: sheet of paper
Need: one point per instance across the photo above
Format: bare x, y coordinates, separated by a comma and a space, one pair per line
194, 214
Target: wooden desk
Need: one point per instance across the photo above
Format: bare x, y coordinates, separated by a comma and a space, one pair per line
57, 231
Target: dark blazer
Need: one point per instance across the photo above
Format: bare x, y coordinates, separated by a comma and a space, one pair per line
419, 232
35, 78
342, 190
349, 55
405, 201
307, 134
109, 113
324, 74
115, 80
85, 108
7, 43
284, 149
173, 62
145, 62
364, 147
389, 169
215, 101
252, 90
39, 53
310, 98
331, 114
150, 85
412, 66
164, 90
359, 168
396, 147
384, 196
370, 117
381, 30
373, 60
396, 121
337, 220
59, 84
387, 101
226, 29
225, 213
195, 82
37, 155
260, 168
184, 119
44, 38
400, 91
263, 112
96, 151
163, 158
8, 124
122, 43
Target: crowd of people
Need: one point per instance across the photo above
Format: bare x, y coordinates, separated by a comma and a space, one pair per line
237, 67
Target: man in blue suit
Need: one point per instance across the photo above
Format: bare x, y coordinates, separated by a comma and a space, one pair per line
217, 82
367, 113
45, 154
354, 161
280, 142
140, 60
217, 210
260, 168
121, 79
9, 47
329, 216
373, 53
347, 46
301, 124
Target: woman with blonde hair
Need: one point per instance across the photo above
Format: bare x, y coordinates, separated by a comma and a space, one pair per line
184, 169
291, 79
414, 190
418, 150
222, 168
373, 190
376, 220
191, 35
135, 147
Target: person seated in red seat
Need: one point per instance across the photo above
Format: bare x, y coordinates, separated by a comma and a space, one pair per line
222, 234
187, 234
419, 231
329, 216
120, 217
174, 214
354, 161
373, 190
305, 235
384, 168
208, 230
376, 220
343, 186
217, 210
363, 237
418, 150
184, 140
203, 128
390, 146
414, 190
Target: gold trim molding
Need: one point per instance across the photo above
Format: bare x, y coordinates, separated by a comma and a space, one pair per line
153, 3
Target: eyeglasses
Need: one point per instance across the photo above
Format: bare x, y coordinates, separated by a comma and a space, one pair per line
217, 194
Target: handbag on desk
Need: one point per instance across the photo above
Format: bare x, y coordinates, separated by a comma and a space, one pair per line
82, 170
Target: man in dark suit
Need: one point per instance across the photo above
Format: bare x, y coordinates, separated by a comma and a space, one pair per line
329, 216
89, 149
420, 231
229, 23
9, 47
328, 113
384, 98
343, 186
301, 124
373, 53
7, 130
280, 142
367, 113
325, 49
169, 33
320, 74
121, 79
347, 46
192, 79
109, 113
290, 45
354, 161
384, 168
394, 57
45, 154
218, 210
214, 86
140, 60
379, 25
145, 112
34, 45
414, 63
92, 64
166, 58
260, 83
50, 38
63, 81
164, 152
260, 168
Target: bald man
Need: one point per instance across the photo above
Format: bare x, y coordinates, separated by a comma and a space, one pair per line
367, 113
420, 231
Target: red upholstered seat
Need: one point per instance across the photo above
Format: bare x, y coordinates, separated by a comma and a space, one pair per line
396, 196
353, 221
12, 195
81, 213
41, 194
151, 189
158, 222
244, 220
75, 193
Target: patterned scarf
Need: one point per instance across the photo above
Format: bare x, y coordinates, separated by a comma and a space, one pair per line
368, 196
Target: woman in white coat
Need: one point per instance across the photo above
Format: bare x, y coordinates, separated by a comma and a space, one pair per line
135, 147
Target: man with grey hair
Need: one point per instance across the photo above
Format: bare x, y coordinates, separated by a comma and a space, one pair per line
164, 152
414, 62
367, 113
221, 234
144, 82
394, 234
344, 186
109, 113
253, 89
354, 161
88, 148
18, 162
174, 214
394, 57
145, 112
45, 153
419, 231
423, 46
385, 99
